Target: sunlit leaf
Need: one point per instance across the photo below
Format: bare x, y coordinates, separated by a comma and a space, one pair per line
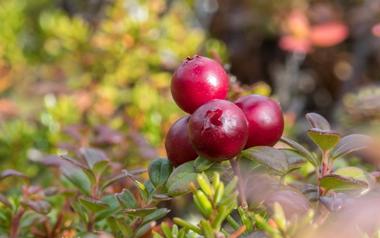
326, 140
337, 182
352, 172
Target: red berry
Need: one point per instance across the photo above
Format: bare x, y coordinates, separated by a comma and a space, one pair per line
177, 143
218, 130
265, 120
197, 81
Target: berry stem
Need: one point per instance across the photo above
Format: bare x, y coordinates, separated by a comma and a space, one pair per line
242, 197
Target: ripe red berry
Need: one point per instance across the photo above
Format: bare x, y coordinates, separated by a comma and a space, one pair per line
218, 130
177, 143
265, 120
198, 80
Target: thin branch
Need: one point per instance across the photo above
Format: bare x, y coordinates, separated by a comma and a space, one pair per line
238, 232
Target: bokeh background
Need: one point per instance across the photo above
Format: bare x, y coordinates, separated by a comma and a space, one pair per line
77, 73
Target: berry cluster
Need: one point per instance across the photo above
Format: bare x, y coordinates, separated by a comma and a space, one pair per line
217, 129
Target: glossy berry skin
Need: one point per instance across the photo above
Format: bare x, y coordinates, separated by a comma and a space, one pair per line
218, 130
198, 80
177, 143
265, 120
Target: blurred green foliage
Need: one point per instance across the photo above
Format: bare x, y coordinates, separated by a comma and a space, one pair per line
62, 77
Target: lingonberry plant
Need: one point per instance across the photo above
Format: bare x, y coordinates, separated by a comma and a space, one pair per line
218, 130
265, 120
197, 81
241, 186
178, 147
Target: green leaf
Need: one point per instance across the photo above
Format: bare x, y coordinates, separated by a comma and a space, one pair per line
100, 167
317, 121
140, 212
165, 228
337, 182
90, 174
326, 140
181, 179
117, 225
301, 150
201, 164
77, 177
124, 174
113, 207
156, 215
187, 225
93, 156
202, 203
207, 229
349, 144
352, 172
159, 172
143, 230
269, 157
93, 205
184, 177
126, 199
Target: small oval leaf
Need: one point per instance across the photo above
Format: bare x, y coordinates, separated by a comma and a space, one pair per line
93, 156
11, 173
269, 157
325, 140
140, 212
338, 183
349, 144
317, 121
181, 179
93, 204
201, 164
301, 150
159, 172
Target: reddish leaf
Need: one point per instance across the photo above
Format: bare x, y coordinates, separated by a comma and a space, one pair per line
294, 44
328, 34
12, 173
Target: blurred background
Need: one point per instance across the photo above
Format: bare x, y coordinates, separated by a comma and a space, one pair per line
97, 73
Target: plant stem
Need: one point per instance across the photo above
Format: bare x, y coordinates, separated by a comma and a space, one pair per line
324, 169
16, 223
242, 197
238, 232
90, 224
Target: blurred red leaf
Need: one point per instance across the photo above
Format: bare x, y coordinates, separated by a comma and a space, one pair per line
376, 30
328, 34
294, 44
